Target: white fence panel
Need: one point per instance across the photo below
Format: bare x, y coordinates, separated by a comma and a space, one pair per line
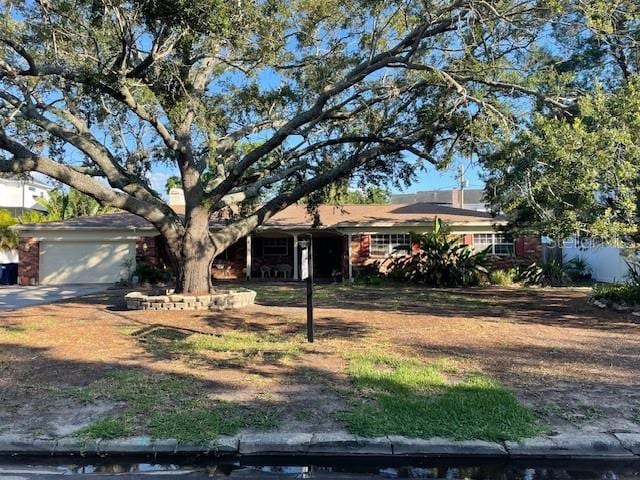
607, 263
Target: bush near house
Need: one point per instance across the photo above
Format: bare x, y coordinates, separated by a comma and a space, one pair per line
619, 293
440, 261
546, 274
503, 277
578, 269
8, 237
622, 294
151, 274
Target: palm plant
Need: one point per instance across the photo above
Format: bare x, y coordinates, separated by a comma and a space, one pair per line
440, 260
8, 237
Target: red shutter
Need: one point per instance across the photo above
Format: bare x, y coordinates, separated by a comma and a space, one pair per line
468, 239
365, 244
520, 247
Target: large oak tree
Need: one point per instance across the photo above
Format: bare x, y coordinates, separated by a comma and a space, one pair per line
258, 103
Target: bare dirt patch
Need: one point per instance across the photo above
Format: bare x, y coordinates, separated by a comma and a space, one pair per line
575, 365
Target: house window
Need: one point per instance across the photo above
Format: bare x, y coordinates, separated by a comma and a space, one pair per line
275, 246
498, 244
390, 244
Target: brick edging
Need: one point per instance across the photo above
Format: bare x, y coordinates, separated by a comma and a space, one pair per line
599, 446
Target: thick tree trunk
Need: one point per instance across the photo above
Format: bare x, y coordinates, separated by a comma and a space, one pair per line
194, 256
194, 273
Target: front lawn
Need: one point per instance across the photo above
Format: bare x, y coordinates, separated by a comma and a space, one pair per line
392, 359
403, 396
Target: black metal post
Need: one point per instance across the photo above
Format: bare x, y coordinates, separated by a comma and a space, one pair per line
310, 292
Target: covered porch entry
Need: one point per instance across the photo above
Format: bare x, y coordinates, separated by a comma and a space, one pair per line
276, 254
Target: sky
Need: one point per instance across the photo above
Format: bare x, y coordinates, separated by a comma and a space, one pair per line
433, 179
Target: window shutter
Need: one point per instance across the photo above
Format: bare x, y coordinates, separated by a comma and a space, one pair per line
365, 244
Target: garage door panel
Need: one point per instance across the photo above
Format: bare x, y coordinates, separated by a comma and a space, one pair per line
84, 262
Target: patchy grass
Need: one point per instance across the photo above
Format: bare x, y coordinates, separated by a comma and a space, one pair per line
407, 397
22, 330
142, 392
264, 418
243, 344
11, 332
197, 424
248, 343
180, 405
388, 295
574, 414
107, 428
545, 345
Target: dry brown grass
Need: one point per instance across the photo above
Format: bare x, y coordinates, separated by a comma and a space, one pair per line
577, 366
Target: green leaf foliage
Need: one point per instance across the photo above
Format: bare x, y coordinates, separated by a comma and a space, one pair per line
8, 237
440, 260
577, 174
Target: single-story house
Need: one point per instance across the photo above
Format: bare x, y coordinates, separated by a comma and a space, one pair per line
349, 238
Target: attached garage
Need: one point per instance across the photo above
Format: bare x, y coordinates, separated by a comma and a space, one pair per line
84, 250
67, 262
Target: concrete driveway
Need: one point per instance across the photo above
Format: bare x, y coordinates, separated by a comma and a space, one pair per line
13, 297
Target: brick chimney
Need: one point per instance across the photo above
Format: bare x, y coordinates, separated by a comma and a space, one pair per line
176, 197
456, 198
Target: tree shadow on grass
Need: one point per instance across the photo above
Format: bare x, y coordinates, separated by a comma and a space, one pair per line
562, 307
580, 378
41, 391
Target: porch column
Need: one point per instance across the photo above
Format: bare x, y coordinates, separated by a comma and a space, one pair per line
296, 267
248, 257
350, 261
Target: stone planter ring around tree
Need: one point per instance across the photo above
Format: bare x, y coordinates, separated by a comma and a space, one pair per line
167, 300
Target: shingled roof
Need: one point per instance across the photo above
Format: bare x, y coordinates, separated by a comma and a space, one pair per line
297, 216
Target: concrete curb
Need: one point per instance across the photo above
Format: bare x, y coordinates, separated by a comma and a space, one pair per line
599, 446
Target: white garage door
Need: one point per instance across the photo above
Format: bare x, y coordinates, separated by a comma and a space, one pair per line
83, 262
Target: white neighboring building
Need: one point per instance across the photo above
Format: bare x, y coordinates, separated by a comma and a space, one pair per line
19, 196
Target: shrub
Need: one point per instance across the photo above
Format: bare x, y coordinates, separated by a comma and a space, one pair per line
149, 274
633, 275
370, 279
578, 269
441, 261
503, 277
617, 293
547, 274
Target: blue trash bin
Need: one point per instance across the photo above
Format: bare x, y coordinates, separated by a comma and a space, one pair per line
13, 273
8, 273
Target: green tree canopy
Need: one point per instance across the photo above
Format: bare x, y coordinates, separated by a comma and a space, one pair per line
269, 99
577, 171
578, 175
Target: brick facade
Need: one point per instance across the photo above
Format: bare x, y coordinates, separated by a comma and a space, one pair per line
527, 249
148, 251
229, 265
28, 261
232, 263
